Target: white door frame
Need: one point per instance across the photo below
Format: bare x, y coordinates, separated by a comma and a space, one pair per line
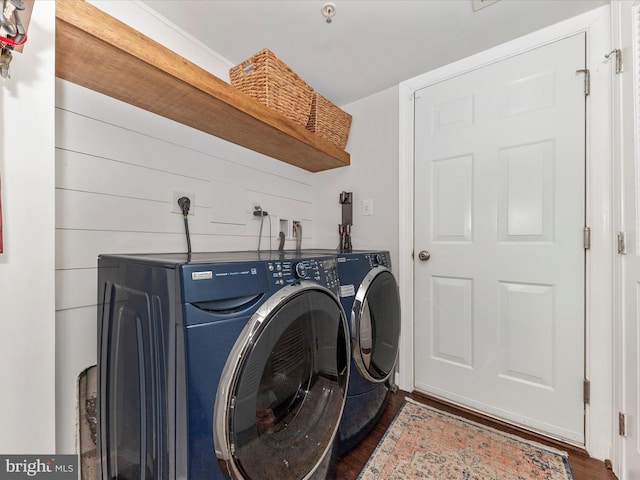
625, 141
599, 268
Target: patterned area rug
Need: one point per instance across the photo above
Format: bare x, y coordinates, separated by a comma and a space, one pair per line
426, 443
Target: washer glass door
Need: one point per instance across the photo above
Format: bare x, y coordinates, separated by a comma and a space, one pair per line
283, 388
375, 325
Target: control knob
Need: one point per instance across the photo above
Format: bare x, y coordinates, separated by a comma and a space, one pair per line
301, 270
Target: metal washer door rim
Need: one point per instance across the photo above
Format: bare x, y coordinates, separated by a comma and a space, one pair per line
225, 399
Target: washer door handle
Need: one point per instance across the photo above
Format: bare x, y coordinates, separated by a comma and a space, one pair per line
424, 255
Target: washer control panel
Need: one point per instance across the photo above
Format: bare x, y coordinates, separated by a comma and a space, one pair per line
323, 271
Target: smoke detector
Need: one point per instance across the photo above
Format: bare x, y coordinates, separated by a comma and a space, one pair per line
328, 11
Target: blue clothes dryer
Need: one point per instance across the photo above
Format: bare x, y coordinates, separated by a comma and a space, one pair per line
370, 298
220, 365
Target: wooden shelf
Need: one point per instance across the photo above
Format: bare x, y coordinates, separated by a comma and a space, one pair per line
101, 53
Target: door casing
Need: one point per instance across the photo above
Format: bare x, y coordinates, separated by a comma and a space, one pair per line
599, 267
625, 18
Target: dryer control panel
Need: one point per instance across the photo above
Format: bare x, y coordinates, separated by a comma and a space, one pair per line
379, 258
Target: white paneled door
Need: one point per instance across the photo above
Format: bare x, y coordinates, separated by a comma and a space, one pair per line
500, 209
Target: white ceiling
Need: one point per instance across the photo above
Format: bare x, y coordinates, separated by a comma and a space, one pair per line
371, 44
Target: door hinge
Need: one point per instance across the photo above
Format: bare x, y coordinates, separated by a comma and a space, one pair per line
586, 391
587, 80
622, 424
622, 244
618, 54
587, 238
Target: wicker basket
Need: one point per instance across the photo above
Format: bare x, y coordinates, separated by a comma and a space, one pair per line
329, 121
272, 82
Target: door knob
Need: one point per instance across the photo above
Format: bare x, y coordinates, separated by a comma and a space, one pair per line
424, 255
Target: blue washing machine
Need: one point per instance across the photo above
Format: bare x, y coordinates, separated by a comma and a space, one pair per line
370, 298
220, 365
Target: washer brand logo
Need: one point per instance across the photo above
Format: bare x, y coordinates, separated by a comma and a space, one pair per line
53, 467
201, 275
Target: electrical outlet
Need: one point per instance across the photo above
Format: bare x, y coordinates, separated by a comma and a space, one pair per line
257, 208
175, 195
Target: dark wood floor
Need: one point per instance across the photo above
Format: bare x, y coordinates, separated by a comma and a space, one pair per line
349, 466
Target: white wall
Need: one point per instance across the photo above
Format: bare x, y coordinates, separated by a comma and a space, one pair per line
373, 174
27, 333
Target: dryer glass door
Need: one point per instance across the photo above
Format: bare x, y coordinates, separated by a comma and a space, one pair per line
283, 389
375, 325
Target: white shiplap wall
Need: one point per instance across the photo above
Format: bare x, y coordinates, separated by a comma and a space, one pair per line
116, 166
